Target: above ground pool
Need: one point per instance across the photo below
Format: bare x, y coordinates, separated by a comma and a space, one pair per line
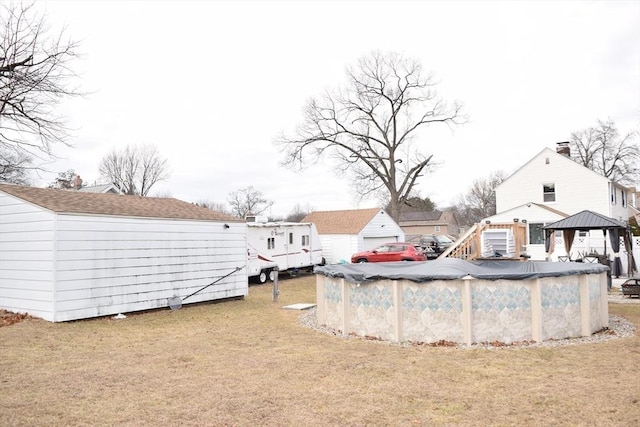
465, 302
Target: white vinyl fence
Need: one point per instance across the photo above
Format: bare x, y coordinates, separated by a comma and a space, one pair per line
594, 242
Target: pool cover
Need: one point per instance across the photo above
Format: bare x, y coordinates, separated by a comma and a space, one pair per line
454, 269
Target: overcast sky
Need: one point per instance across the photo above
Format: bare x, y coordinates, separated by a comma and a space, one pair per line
213, 83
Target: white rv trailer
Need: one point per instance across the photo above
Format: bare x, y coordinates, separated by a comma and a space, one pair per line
289, 246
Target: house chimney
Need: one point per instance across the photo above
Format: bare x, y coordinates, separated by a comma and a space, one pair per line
77, 182
563, 148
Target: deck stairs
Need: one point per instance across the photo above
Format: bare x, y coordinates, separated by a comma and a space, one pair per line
490, 241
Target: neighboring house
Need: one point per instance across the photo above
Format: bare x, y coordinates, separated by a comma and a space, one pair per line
415, 224
635, 206
104, 188
343, 233
76, 184
552, 186
553, 179
67, 255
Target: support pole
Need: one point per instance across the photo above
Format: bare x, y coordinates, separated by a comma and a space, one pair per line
276, 291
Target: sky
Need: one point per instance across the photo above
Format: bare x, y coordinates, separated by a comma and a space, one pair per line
212, 84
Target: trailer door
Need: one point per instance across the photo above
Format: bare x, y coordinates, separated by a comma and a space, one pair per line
291, 245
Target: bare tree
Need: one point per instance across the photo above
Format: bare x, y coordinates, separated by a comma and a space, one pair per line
298, 212
15, 165
480, 200
415, 204
64, 180
135, 169
214, 206
373, 127
602, 149
248, 201
34, 77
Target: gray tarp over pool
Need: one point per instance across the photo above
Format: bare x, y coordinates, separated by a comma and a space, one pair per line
453, 269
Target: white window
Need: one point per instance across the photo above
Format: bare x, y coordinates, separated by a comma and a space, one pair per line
305, 240
271, 243
436, 228
549, 192
613, 195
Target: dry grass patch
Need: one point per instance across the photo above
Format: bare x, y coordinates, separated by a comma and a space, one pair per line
249, 362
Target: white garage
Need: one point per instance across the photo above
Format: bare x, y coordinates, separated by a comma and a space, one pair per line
67, 255
343, 233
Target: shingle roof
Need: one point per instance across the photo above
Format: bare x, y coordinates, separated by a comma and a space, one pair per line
64, 201
421, 216
586, 220
341, 222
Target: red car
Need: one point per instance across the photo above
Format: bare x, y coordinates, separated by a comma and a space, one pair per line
390, 252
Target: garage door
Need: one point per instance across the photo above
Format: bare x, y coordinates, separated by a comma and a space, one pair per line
372, 242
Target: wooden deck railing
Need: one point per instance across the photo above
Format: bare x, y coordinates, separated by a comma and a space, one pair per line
469, 245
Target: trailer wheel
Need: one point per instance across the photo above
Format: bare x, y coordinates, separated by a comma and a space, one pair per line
272, 275
262, 277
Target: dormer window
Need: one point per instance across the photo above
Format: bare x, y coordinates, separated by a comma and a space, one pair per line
549, 192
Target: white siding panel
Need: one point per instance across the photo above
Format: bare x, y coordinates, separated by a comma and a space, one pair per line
65, 267
17, 210
27, 264
8, 276
26, 257
32, 226
577, 188
327, 249
71, 300
16, 254
26, 294
150, 301
383, 226
109, 265
41, 309
27, 235
337, 248
92, 245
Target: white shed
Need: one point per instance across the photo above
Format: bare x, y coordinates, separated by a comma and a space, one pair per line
67, 255
343, 233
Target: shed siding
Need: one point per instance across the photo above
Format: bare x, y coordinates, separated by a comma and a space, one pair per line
382, 225
338, 247
108, 265
26, 257
381, 229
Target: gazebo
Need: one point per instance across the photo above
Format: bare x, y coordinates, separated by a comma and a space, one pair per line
586, 221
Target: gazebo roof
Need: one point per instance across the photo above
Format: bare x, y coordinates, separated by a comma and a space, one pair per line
586, 220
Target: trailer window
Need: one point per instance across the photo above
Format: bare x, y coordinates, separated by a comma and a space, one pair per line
305, 240
291, 238
271, 243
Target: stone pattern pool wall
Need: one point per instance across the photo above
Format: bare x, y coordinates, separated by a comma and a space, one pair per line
467, 310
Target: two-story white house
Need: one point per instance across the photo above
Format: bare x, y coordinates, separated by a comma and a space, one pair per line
552, 186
